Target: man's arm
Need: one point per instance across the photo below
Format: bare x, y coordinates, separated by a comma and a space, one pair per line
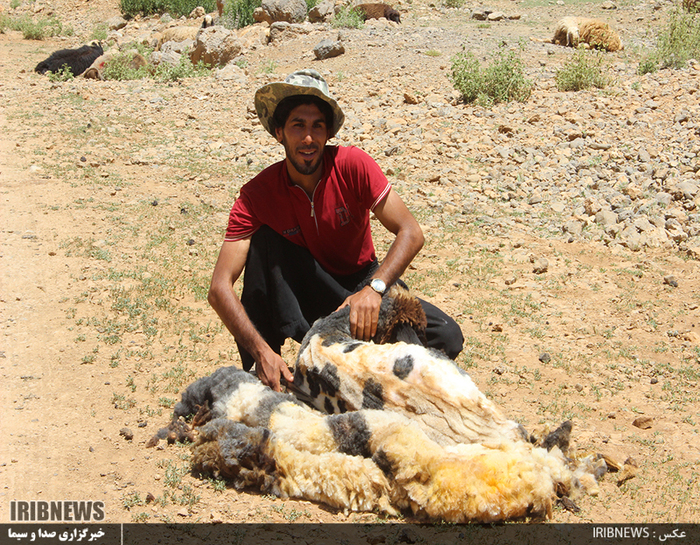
229, 266
364, 305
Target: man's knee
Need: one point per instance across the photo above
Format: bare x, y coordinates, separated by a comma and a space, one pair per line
452, 338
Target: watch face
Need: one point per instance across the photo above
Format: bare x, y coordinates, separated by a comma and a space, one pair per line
378, 285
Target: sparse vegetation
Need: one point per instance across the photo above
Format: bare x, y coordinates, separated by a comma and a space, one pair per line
119, 68
176, 8
586, 69
501, 81
676, 43
63, 74
239, 13
35, 29
99, 33
348, 17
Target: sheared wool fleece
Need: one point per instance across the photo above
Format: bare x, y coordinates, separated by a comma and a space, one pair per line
402, 428
373, 460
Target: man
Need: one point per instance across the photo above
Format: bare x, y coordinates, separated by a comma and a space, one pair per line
301, 230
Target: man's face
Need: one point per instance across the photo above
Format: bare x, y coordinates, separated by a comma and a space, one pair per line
304, 136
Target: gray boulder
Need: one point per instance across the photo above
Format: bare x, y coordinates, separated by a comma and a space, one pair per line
215, 46
322, 12
289, 11
327, 49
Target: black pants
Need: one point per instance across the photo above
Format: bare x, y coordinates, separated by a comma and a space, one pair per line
285, 290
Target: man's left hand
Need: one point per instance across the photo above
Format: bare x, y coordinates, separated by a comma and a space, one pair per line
364, 313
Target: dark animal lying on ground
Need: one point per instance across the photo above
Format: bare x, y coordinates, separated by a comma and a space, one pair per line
376, 11
412, 431
77, 60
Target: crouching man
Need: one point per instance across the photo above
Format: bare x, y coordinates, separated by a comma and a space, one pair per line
301, 231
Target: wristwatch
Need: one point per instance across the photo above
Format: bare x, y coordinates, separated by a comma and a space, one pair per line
378, 285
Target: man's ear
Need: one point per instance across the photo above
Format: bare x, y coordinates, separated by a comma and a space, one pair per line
278, 134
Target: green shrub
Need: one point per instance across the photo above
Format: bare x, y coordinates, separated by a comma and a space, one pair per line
453, 3
501, 81
99, 33
176, 8
185, 69
693, 6
239, 13
311, 4
585, 70
676, 44
348, 17
64, 74
45, 27
119, 68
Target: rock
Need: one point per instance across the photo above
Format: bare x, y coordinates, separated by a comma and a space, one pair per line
215, 46
282, 30
573, 227
126, 433
288, 11
197, 12
327, 49
169, 57
629, 470
544, 357
177, 47
253, 35
322, 12
480, 14
115, 23
232, 72
540, 266
643, 422
671, 281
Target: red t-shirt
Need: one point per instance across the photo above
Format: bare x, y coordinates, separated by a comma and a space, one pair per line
334, 225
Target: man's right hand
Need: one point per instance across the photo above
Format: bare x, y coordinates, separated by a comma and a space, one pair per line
270, 367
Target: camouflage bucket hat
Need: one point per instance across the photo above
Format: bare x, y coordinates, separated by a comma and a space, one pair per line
301, 82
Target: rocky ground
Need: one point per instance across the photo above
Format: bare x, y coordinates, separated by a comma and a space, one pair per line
562, 233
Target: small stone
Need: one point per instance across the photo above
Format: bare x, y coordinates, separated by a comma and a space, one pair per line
654, 380
126, 433
671, 281
544, 357
541, 266
643, 422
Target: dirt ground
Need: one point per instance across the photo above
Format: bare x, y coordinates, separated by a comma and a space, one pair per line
115, 197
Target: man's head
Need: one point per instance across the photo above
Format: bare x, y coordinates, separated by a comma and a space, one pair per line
303, 129
303, 83
285, 107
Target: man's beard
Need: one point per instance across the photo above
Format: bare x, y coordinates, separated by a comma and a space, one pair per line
305, 168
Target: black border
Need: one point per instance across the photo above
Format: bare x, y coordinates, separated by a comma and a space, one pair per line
351, 534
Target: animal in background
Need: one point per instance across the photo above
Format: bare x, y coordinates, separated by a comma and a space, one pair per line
77, 60
592, 33
378, 10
